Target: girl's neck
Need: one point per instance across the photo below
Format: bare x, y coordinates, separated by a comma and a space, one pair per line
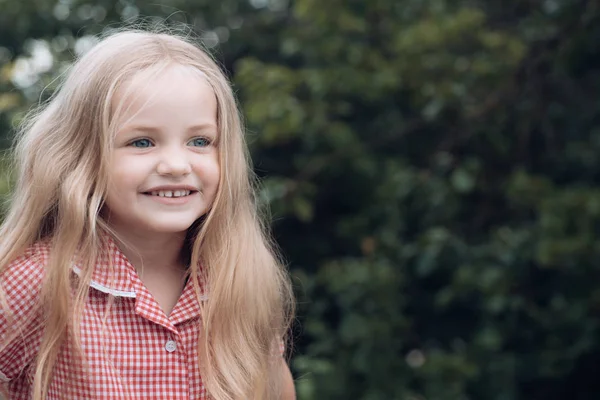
158, 262
152, 252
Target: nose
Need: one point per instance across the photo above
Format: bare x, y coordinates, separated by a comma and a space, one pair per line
174, 162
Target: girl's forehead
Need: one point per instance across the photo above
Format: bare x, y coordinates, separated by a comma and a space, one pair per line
156, 80
157, 84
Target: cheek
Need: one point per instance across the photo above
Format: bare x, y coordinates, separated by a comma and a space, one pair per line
122, 188
209, 171
113, 195
116, 185
216, 173
127, 173
214, 182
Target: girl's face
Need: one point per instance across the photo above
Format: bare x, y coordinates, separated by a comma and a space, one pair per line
164, 172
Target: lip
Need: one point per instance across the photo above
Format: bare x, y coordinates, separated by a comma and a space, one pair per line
171, 188
171, 200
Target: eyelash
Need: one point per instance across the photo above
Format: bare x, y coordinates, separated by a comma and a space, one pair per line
207, 142
132, 143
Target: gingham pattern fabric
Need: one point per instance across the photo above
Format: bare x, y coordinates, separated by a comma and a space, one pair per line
138, 353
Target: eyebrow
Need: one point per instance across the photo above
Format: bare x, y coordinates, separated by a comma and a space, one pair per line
152, 129
203, 127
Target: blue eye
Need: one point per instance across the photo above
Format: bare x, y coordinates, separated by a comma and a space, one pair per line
141, 143
200, 142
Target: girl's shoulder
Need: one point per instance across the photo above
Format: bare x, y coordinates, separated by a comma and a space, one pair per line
23, 276
33, 259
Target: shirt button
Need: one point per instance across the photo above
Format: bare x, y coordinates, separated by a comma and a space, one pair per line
170, 346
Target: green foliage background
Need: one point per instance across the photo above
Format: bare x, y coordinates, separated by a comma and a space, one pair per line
433, 171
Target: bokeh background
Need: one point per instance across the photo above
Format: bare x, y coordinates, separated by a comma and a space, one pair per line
432, 167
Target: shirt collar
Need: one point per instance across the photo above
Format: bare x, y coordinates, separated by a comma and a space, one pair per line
113, 273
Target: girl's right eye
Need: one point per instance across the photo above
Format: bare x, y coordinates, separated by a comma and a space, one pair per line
141, 143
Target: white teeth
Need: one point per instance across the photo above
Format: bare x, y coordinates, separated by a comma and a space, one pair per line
170, 193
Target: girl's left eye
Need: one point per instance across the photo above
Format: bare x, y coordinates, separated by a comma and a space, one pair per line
200, 142
141, 143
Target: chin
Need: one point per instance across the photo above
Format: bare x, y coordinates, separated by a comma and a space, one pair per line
171, 223
179, 228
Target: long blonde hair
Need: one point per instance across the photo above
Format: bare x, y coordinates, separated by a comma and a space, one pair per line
61, 156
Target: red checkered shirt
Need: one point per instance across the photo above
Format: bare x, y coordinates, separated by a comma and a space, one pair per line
137, 353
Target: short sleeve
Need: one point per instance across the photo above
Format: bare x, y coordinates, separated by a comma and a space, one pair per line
20, 325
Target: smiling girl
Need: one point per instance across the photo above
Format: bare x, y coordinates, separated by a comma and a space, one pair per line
133, 261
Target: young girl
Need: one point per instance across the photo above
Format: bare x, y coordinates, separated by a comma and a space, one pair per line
133, 263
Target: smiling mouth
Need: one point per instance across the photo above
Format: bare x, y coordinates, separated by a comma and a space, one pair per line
170, 193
